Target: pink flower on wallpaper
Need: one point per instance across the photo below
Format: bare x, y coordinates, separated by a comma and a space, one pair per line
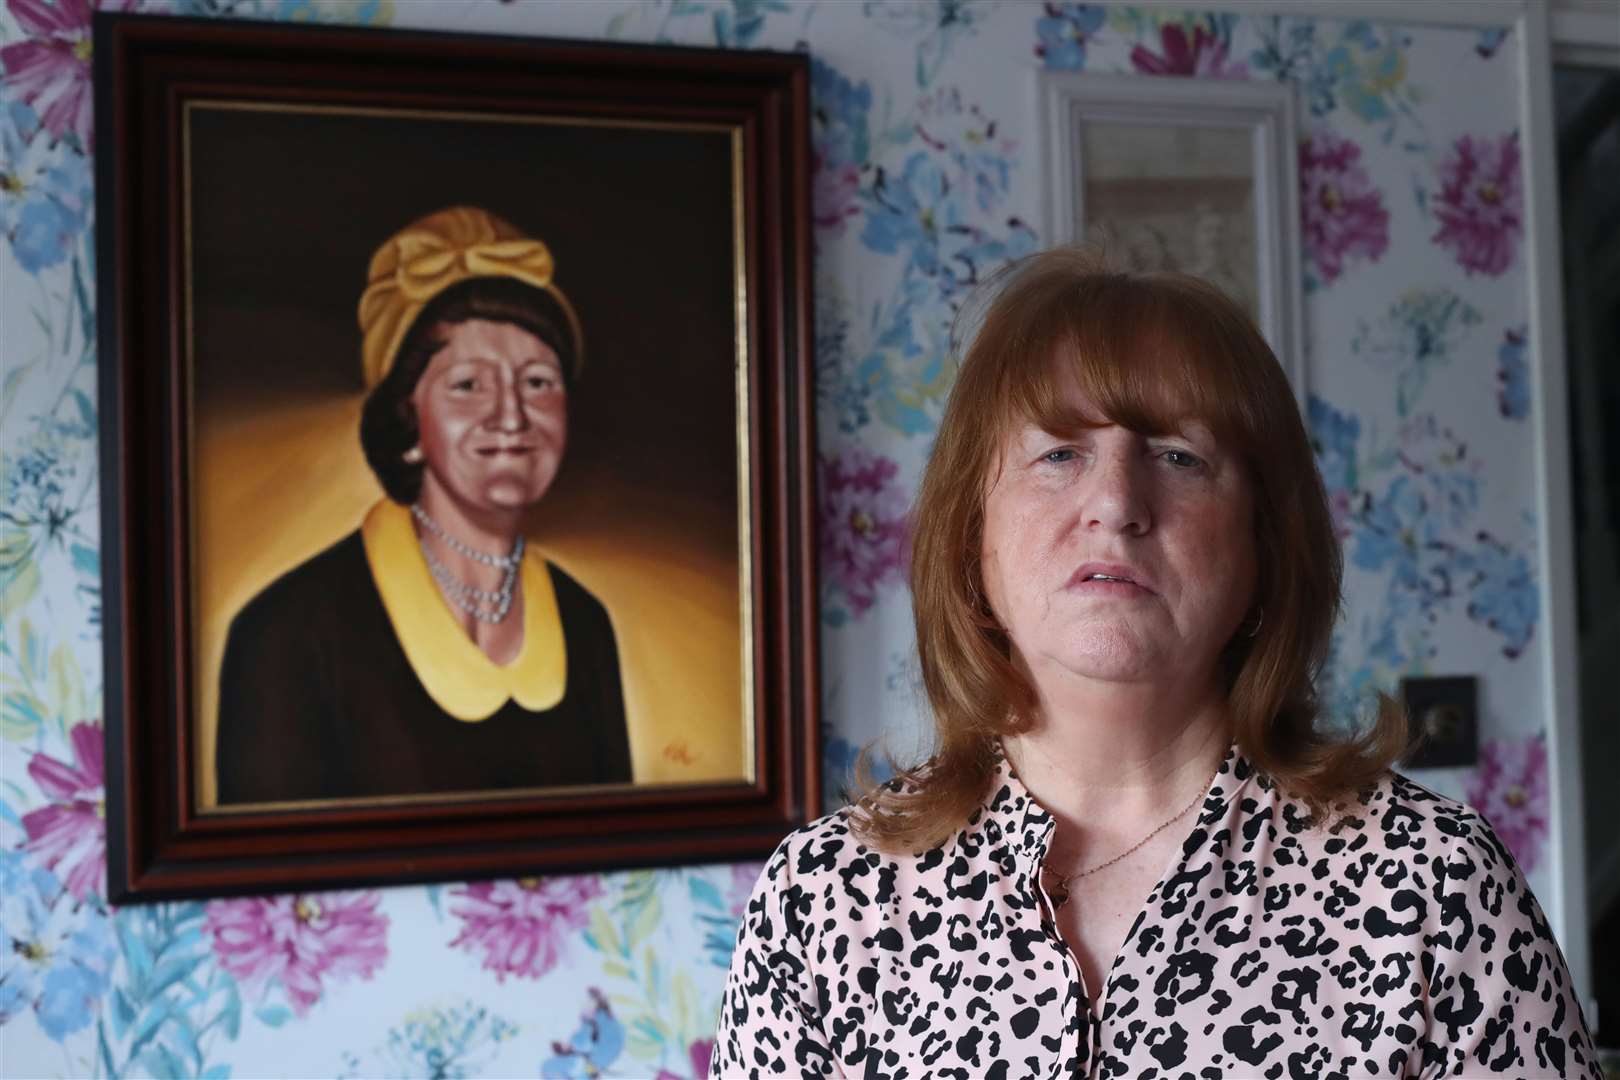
1339, 502
744, 876
521, 926
1481, 203
1343, 213
701, 1052
51, 70
1204, 56
300, 940
70, 834
863, 524
832, 193
1510, 789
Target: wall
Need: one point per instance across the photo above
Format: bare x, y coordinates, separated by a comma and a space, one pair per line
928, 176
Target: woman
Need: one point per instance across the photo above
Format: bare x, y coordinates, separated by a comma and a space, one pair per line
429, 651
1125, 575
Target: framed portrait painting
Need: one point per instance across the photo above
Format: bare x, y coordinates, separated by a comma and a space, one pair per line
457, 437
1194, 175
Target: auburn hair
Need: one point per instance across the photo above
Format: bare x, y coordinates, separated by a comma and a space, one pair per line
1150, 350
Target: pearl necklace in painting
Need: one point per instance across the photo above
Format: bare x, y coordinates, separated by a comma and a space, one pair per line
485, 605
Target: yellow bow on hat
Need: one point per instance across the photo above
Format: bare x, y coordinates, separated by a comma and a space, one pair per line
430, 255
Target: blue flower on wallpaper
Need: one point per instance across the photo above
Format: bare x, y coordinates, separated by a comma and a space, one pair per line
909, 212
1063, 32
844, 402
59, 959
1407, 513
1363, 69
913, 213
1421, 331
1395, 533
1490, 40
46, 192
937, 24
740, 26
443, 1042
1502, 592
980, 155
840, 145
1334, 437
841, 109
905, 375
46, 485
1513, 373
594, 1046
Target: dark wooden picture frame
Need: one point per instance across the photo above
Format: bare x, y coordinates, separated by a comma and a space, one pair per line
150, 74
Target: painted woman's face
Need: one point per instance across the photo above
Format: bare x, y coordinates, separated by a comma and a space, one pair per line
492, 416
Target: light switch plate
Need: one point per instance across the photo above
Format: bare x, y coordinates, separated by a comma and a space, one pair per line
1444, 714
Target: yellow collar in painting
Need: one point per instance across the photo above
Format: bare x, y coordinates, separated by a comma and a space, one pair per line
453, 669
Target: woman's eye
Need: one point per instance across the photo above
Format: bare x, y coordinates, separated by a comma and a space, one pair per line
1182, 459
540, 382
1058, 456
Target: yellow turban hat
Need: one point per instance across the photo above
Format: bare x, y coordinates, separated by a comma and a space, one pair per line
430, 255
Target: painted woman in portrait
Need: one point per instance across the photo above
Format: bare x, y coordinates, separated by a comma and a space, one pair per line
430, 651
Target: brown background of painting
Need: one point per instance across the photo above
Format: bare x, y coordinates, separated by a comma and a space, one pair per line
287, 210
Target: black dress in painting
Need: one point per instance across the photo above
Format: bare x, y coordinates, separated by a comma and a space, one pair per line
318, 700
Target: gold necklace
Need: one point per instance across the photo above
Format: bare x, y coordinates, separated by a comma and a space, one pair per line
1060, 890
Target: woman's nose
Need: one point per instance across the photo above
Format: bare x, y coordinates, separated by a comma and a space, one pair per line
508, 414
1117, 498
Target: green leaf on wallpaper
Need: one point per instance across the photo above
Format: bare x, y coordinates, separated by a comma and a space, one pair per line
652, 974
18, 583
104, 1051
123, 1013
217, 1072
615, 969
21, 714
86, 560
273, 1015
652, 1026
646, 920
602, 934
231, 1017
156, 1013
172, 969
704, 892
87, 411
18, 574
681, 990
67, 686
13, 377
641, 1046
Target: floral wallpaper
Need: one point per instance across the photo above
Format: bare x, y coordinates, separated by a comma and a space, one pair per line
926, 179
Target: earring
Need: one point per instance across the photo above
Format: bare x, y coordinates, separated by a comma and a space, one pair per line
413, 456
1259, 621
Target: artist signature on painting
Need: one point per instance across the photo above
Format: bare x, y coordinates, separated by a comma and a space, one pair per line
679, 753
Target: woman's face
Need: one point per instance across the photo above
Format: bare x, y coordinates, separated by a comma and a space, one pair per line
1112, 556
492, 416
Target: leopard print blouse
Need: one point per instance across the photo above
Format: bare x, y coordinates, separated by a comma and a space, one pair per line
1402, 941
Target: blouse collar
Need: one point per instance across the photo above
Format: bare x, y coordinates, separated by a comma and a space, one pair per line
455, 672
1029, 826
